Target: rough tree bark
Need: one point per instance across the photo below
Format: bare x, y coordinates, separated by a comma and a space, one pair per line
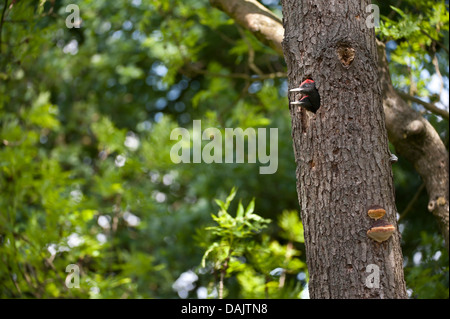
341, 151
432, 164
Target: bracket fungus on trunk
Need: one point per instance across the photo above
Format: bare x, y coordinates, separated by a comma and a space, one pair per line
380, 231
376, 212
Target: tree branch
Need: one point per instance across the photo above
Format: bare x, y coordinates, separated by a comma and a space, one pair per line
412, 202
253, 16
2, 18
251, 53
417, 140
412, 135
436, 41
429, 106
244, 76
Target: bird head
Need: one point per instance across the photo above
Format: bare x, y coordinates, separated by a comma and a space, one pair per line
307, 86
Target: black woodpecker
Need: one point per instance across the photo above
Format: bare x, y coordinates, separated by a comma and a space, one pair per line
310, 99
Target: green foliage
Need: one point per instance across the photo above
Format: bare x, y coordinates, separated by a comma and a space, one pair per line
259, 265
419, 33
430, 281
231, 232
292, 227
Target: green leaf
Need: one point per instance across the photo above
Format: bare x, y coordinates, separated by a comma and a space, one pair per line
207, 252
399, 11
221, 204
250, 208
240, 211
230, 197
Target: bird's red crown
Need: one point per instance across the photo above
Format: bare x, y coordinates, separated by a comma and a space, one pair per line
306, 81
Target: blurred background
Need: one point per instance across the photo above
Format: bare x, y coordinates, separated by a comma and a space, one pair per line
86, 177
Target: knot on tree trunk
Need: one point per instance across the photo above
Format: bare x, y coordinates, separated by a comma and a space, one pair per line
346, 54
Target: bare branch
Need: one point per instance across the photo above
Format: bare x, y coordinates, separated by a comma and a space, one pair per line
244, 76
253, 16
429, 106
251, 53
436, 41
412, 202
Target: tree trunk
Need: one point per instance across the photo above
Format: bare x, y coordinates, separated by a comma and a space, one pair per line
341, 151
415, 138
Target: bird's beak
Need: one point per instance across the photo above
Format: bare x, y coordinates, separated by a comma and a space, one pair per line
295, 90
295, 103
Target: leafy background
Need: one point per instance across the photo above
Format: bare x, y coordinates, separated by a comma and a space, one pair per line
85, 172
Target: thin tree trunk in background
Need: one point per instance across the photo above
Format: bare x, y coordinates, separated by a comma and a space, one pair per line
341, 151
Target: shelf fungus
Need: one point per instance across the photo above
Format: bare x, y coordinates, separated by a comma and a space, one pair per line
376, 212
380, 231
